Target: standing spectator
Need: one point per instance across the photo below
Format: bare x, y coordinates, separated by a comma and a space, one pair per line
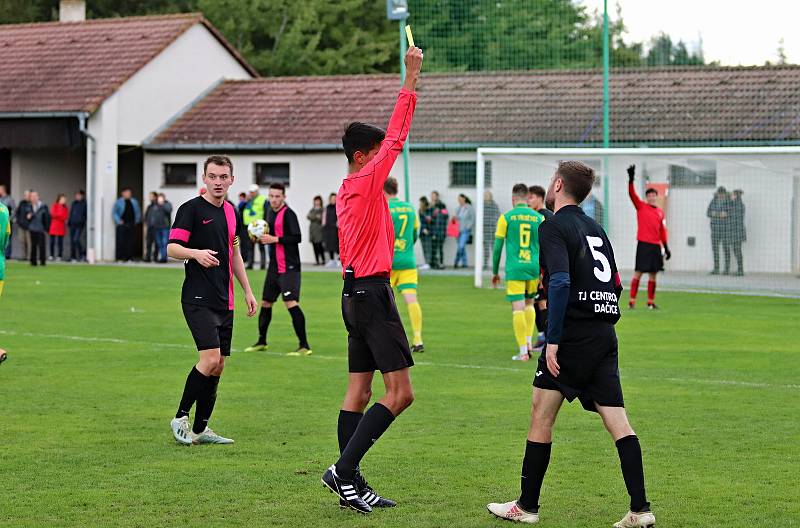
150, 236
58, 221
127, 215
314, 217
254, 210
161, 222
466, 222
737, 232
425, 233
719, 213
23, 211
77, 225
440, 216
38, 225
491, 213
245, 244
330, 230
8, 201
593, 208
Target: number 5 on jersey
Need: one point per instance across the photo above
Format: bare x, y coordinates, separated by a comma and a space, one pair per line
603, 273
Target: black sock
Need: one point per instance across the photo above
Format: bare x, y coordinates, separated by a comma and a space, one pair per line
630, 459
205, 403
541, 320
194, 384
534, 466
299, 323
375, 421
264, 318
348, 422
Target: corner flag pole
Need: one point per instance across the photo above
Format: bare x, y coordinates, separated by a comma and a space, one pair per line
606, 115
405, 33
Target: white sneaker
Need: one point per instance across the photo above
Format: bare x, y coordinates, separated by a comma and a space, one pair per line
510, 511
521, 357
637, 520
181, 430
210, 437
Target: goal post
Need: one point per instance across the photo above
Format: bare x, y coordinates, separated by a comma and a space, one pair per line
765, 179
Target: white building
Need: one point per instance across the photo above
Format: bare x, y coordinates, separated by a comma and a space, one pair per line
78, 99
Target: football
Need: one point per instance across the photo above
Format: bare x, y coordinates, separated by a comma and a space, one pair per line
257, 228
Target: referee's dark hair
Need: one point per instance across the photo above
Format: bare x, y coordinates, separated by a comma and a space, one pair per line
578, 179
360, 137
538, 190
218, 159
520, 190
390, 186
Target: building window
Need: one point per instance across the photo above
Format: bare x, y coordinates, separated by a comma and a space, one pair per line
180, 174
464, 174
694, 173
267, 173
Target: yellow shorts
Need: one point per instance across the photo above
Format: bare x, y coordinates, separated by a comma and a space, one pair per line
519, 290
405, 280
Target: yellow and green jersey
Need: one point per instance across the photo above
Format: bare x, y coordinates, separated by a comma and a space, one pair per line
406, 230
5, 237
518, 231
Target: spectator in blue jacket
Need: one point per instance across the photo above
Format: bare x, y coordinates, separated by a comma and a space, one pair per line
77, 225
127, 215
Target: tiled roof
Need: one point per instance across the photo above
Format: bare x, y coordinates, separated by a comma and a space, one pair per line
74, 66
648, 106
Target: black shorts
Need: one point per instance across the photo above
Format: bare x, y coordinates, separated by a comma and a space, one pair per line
375, 334
210, 328
587, 357
649, 258
286, 285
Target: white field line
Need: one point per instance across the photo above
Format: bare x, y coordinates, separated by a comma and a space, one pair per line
116, 341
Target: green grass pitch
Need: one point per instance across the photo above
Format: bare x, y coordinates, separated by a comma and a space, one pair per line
98, 357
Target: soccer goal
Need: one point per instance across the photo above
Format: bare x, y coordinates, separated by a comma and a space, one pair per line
734, 211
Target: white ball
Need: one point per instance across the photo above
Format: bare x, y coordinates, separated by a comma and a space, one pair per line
257, 228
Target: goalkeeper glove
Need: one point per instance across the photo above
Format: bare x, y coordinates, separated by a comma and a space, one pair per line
631, 173
667, 252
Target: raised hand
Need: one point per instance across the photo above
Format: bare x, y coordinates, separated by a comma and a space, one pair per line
413, 61
631, 173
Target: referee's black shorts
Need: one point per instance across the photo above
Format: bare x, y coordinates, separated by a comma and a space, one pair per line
649, 258
376, 337
587, 357
210, 328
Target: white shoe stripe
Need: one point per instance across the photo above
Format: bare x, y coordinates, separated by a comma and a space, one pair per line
347, 487
374, 500
349, 493
368, 496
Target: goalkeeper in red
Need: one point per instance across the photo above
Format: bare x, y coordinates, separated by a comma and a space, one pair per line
651, 235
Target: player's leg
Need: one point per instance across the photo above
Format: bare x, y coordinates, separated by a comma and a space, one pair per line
290, 283
415, 316
270, 293
515, 293
616, 422
530, 313
651, 290
637, 275
212, 363
544, 410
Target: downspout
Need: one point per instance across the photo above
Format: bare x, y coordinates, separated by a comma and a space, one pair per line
91, 221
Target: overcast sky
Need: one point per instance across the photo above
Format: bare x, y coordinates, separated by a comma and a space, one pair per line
735, 32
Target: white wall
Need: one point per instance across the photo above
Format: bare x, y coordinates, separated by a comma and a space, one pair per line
310, 174
171, 81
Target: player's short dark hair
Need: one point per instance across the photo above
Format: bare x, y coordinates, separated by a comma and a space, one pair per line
650, 190
361, 137
578, 179
538, 190
520, 190
390, 186
218, 159
278, 186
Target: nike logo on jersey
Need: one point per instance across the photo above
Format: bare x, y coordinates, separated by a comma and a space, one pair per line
207, 221
538, 373
287, 293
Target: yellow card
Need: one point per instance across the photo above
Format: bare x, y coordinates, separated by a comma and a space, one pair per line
409, 36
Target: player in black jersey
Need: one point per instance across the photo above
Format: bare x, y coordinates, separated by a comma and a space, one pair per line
580, 359
536, 195
283, 274
204, 237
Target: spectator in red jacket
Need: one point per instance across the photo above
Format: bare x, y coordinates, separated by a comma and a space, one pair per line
58, 214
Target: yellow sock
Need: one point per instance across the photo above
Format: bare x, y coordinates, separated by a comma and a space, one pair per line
520, 327
530, 320
415, 314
